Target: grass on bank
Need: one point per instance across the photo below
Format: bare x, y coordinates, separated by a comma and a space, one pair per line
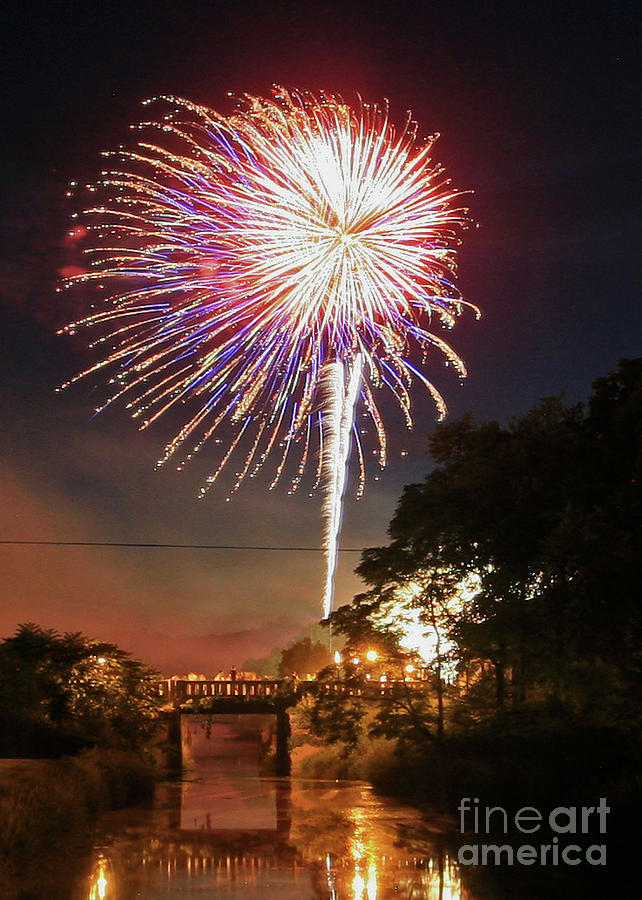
43, 801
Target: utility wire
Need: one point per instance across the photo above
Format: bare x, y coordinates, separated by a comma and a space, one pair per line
153, 546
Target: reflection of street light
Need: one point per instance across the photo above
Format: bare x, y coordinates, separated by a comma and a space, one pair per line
101, 660
99, 883
356, 660
337, 665
371, 655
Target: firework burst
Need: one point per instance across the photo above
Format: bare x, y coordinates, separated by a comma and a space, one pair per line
274, 268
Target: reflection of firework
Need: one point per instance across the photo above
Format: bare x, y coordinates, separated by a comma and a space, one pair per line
295, 244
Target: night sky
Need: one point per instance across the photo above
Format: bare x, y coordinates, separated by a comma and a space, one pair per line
536, 106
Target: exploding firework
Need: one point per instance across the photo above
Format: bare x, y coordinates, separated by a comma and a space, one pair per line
274, 268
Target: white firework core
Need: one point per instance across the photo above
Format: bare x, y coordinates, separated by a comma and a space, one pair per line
340, 394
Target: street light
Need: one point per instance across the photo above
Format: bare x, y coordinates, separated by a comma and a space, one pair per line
372, 655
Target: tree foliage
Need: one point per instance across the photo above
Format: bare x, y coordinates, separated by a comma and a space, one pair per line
547, 515
304, 657
544, 518
59, 693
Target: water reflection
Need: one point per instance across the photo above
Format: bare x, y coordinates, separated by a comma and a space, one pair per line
227, 833
227, 794
367, 848
99, 880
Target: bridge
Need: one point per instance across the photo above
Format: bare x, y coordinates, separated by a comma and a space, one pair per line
272, 696
211, 697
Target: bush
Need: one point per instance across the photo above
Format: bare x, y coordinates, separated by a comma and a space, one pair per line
322, 762
374, 758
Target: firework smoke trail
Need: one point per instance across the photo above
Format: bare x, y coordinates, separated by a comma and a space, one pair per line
248, 259
340, 398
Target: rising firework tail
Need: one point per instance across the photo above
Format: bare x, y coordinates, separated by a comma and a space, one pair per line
271, 270
339, 396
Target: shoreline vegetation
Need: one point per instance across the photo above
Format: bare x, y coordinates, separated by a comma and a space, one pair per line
81, 733
572, 769
497, 766
46, 804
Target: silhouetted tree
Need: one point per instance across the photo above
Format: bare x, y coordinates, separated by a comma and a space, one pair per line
304, 657
60, 693
547, 515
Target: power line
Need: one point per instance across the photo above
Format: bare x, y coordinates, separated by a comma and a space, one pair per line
155, 546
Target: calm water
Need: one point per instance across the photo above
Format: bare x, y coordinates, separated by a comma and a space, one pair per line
227, 833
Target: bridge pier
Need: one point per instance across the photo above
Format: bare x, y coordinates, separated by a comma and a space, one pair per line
282, 762
174, 744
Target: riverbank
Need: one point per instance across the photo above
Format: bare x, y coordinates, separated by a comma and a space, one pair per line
45, 803
513, 759
509, 768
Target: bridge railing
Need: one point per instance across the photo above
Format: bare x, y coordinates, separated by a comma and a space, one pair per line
179, 691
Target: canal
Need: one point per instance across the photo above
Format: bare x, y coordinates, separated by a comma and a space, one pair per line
227, 833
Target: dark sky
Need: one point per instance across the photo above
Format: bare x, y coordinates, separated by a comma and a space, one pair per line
536, 106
